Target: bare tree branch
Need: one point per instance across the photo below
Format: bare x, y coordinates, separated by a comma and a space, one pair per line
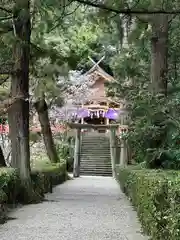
3, 80
5, 18
5, 10
58, 20
126, 10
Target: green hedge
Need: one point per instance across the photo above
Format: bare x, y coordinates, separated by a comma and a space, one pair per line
43, 179
48, 176
156, 197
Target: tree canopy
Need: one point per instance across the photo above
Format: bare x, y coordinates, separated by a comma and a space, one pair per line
43, 42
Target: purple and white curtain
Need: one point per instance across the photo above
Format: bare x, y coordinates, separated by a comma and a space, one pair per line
75, 113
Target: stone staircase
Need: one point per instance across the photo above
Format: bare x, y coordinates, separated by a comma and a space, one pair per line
95, 155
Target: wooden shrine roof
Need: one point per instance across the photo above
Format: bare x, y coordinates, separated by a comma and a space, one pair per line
98, 71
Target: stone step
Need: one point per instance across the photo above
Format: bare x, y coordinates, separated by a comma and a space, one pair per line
90, 149
95, 148
91, 142
96, 137
95, 161
106, 150
85, 163
105, 169
105, 164
98, 160
101, 151
95, 140
95, 144
96, 169
92, 153
90, 162
92, 159
95, 173
94, 165
96, 155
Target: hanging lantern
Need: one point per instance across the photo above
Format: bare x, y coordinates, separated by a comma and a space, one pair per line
111, 114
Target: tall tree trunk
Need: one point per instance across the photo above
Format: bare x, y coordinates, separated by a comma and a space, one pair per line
2, 159
42, 110
19, 112
159, 54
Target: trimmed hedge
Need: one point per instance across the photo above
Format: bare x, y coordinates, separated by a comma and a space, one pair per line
155, 195
43, 180
48, 176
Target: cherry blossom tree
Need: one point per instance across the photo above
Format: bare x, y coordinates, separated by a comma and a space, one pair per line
76, 93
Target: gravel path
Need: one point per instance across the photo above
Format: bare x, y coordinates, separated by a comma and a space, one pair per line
88, 208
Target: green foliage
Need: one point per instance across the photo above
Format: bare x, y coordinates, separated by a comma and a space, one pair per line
65, 150
47, 176
43, 179
154, 124
34, 137
158, 207
9, 182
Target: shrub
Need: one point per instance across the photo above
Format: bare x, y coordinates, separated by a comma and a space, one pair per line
43, 179
48, 176
155, 195
69, 164
9, 182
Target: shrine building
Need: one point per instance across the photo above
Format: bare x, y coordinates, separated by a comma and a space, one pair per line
99, 109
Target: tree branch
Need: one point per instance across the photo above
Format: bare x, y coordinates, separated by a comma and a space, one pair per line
63, 15
6, 18
3, 80
126, 10
5, 28
5, 10
6, 72
6, 104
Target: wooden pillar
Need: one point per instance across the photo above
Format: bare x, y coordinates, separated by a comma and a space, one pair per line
71, 148
82, 119
113, 149
107, 121
76, 170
